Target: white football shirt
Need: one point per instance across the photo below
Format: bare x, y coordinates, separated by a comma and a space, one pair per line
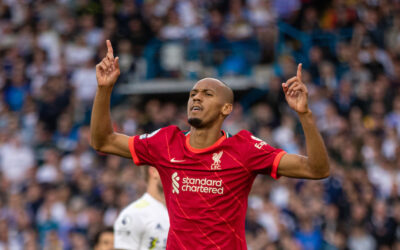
144, 224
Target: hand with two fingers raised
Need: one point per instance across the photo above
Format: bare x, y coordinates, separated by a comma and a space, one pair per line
107, 71
296, 93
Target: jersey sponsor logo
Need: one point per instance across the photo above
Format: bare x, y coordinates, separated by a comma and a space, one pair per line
175, 183
175, 160
260, 142
217, 160
197, 185
144, 136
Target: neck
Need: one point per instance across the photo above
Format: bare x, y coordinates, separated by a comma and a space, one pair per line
153, 190
203, 138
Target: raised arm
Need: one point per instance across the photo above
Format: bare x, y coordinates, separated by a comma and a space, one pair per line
315, 165
103, 137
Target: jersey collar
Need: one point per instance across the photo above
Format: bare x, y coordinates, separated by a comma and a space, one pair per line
201, 150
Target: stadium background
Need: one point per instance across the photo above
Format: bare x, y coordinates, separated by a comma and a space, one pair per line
56, 192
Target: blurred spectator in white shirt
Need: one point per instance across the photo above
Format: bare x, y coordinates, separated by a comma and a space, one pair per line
84, 82
16, 159
78, 52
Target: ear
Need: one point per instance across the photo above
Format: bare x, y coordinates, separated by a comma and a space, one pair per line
227, 109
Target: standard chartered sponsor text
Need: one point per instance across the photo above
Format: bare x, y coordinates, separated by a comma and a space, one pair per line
203, 185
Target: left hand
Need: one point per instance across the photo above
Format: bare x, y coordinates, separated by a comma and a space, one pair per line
107, 71
296, 93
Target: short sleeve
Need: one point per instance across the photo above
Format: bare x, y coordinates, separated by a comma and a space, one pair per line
127, 231
141, 146
262, 157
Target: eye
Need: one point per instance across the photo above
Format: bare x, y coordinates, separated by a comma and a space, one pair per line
208, 94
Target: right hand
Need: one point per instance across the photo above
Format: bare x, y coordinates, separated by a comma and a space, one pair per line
107, 71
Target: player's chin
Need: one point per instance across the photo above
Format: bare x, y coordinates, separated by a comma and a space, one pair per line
195, 122
194, 115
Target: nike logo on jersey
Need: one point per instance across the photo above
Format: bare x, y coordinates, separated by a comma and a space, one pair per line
174, 160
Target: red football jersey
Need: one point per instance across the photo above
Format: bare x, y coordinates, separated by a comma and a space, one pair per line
206, 190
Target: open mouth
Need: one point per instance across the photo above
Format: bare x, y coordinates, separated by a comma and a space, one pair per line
196, 108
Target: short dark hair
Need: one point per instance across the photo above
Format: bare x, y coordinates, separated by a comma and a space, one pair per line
97, 236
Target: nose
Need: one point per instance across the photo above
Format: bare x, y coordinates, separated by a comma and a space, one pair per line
197, 97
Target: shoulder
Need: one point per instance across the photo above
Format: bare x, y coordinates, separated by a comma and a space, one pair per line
140, 204
243, 133
168, 131
172, 129
165, 130
132, 214
247, 138
134, 208
244, 136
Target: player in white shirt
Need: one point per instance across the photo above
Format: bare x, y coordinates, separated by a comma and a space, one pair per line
144, 224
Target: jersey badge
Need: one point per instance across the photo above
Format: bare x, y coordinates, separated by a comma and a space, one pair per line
217, 160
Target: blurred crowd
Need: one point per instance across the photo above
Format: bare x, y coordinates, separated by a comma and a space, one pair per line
56, 192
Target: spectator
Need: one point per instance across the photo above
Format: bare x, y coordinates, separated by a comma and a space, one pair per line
104, 240
309, 237
16, 160
16, 92
359, 239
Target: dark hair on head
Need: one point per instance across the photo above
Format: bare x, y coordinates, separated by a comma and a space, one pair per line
97, 236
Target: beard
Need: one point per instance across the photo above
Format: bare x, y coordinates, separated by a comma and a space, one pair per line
196, 122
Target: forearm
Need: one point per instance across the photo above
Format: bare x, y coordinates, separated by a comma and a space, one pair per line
100, 124
317, 160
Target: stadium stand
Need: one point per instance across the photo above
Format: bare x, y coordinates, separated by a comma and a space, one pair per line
56, 192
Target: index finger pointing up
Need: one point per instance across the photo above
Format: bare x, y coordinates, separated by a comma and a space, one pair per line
299, 71
109, 47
